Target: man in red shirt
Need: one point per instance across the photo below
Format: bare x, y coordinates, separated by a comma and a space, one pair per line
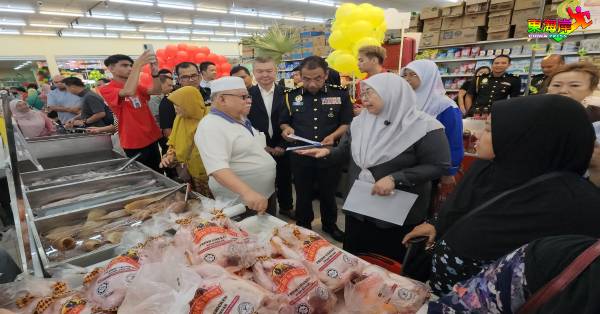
370, 61
138, 131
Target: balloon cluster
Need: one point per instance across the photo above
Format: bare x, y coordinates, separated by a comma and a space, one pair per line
172, 55
355, 26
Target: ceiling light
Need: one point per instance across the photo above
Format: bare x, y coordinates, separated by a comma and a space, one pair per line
305, 1
218, 39
269, 15
179, 6
249, 26
124, 28
232, 25
146, 19
238, 34
200, 38
157, 37
62, 13
151, 30
93, 27
10, 8
12, 22
323, 2
212, 10
179, 37
100, 35
75, 34
39, 33
135, 2
9, 32
48, 25
224, 34
105, 16
294, 18
242, 12
177, 22
132, 36
178, 31
314, 20
205, 22
202, 32
235, 40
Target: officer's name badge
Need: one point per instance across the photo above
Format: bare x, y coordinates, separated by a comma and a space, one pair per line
331, 101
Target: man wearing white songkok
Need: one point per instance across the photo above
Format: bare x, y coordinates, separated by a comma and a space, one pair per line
233, 152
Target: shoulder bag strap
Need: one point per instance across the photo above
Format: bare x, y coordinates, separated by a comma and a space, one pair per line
560, 282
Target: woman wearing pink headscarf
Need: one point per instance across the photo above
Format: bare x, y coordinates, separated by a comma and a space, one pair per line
32, 123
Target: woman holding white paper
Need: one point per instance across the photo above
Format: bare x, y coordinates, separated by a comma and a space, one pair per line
393, 146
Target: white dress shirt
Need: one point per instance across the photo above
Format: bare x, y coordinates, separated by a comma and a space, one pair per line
267, 96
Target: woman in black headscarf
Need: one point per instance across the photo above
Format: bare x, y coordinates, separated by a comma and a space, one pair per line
529, 137
509, 283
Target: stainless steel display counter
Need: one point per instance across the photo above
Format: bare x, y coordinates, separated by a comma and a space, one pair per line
68, 144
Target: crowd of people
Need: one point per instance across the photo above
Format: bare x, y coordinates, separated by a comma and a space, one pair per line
535, 183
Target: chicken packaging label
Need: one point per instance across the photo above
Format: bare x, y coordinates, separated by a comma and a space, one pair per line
282, 274
312, 246
215, 300
203, 231
75, 305
202, 298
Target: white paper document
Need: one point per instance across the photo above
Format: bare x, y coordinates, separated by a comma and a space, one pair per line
305, 140
302, 147
392, 208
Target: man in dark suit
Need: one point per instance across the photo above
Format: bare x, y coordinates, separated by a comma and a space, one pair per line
267, 105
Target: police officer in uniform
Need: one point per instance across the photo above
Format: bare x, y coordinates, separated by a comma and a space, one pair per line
550, 64
318, 112
497, 85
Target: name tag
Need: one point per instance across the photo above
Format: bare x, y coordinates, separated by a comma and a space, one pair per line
297, 103
135, 101
331, 101
506, 83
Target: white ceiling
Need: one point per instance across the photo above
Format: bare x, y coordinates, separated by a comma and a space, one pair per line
171, 19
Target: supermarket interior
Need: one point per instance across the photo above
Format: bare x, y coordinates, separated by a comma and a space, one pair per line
299, 156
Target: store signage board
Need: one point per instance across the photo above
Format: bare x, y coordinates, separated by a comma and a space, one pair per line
395, 19
571, 17
392, 208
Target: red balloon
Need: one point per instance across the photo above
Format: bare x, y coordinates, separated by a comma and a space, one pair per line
193, 50
225, 67
182, 46
171, 51
182, 54
221, 59
161, 61
160, 53
204, 50
145, 80
199, 57
212, 58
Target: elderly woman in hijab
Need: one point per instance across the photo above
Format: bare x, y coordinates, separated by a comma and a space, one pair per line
527, 184
393, 146
182, 151
424, 77
32, 123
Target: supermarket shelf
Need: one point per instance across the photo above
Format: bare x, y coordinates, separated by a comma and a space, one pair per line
468, 75
506, 40
513, 57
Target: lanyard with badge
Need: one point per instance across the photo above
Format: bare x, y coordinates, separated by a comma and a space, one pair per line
135, 102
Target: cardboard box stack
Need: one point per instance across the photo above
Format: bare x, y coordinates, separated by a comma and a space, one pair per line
432, 23
416, 24
454, 24
524, 10
313, 43
499, 19
247, 52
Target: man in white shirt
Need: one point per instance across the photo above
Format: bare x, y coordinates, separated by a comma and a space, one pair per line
233, 152
64, 103
208, 70
267, 105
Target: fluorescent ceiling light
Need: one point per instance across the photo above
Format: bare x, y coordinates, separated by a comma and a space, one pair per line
146, 19
305, 1
100, 35
202, 32
167, 21
232, 25
242, 12
124, 28
12, 22
200, 38
179, 6
294, 18
314, 20
39, 34
224, 34
10, 8
269, 15
206, 23
248, 26
238, 34
178, 31
93, 27
179, 37
132, 36
106, 16
62, 13
235, 40
48, 25
10, 32
323, 2
156, 37
218, 39
135, 2
75, 34
212, 10
151, 30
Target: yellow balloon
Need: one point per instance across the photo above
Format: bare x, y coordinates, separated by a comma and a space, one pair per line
380, 31
339, 26
360, 29
345, 63
376, 16
367, 41
338, 41
359, 74
344, 11
357, 14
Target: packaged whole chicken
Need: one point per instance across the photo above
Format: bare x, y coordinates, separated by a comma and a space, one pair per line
333, 266
59, 299
377, 291
303, 292
218, 241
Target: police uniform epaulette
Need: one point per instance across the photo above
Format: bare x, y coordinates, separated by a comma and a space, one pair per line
337, 86
288, 90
